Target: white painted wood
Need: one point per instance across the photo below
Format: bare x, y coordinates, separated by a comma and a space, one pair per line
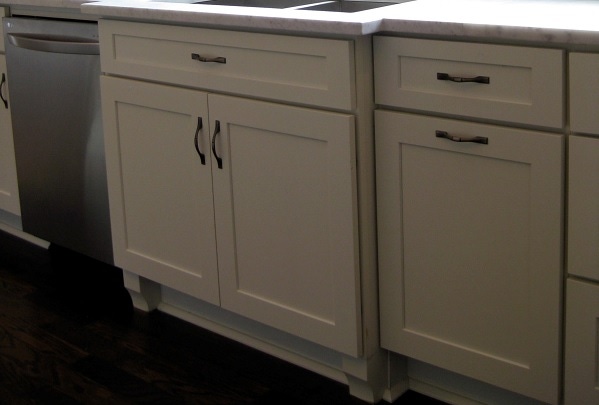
365, 176
470, 249
160, 194
584, 93
3, 13
581, 381
285, 203
583, 207
526, 84
312, 71
9, 188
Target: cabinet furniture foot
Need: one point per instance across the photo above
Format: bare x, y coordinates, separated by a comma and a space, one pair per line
145, 293
367, 379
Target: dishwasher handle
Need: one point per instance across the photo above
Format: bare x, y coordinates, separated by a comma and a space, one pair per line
55, 43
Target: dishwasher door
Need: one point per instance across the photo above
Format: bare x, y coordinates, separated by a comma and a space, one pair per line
53, 69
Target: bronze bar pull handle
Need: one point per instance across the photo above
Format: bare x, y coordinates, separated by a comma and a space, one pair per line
219, 160
477, 79
2, 83
454, 138
217, 59
196, 142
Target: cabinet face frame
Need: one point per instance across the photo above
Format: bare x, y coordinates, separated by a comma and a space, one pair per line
536, 372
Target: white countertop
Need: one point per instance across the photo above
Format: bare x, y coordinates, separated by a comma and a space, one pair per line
569, 22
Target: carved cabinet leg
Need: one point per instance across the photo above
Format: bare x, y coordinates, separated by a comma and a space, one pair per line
145, 293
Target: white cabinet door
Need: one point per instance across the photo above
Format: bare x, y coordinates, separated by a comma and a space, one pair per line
582, 340
160, 192
9, 190
470, 249
583, 207
285, 205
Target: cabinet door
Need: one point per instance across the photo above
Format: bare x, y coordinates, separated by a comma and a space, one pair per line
160, 192
470, 246
583, 207
9, 190
582, 340
285, 203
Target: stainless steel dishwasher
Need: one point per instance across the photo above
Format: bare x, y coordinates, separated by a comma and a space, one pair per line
53, 70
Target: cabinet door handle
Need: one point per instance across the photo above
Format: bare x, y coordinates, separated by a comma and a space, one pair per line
196, 141
217, 59
2, 83
475, 139
476, 79
219, 160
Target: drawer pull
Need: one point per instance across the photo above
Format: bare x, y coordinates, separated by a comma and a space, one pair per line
477, 79
196, 142
219, 160
475, 139
217, 59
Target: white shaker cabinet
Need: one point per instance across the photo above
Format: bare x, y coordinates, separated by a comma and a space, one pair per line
470, 214
9, 190
581, 361
268, 217
267, 226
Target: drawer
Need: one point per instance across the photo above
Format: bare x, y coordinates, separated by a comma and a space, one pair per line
308, 71
525, 85
584, 93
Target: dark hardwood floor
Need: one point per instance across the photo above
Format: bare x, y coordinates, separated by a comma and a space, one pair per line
69, 335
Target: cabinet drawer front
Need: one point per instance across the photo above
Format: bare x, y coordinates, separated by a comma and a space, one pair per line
584, 93
301, 70
525, 85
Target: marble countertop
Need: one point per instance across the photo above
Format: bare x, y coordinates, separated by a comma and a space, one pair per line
563, 22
